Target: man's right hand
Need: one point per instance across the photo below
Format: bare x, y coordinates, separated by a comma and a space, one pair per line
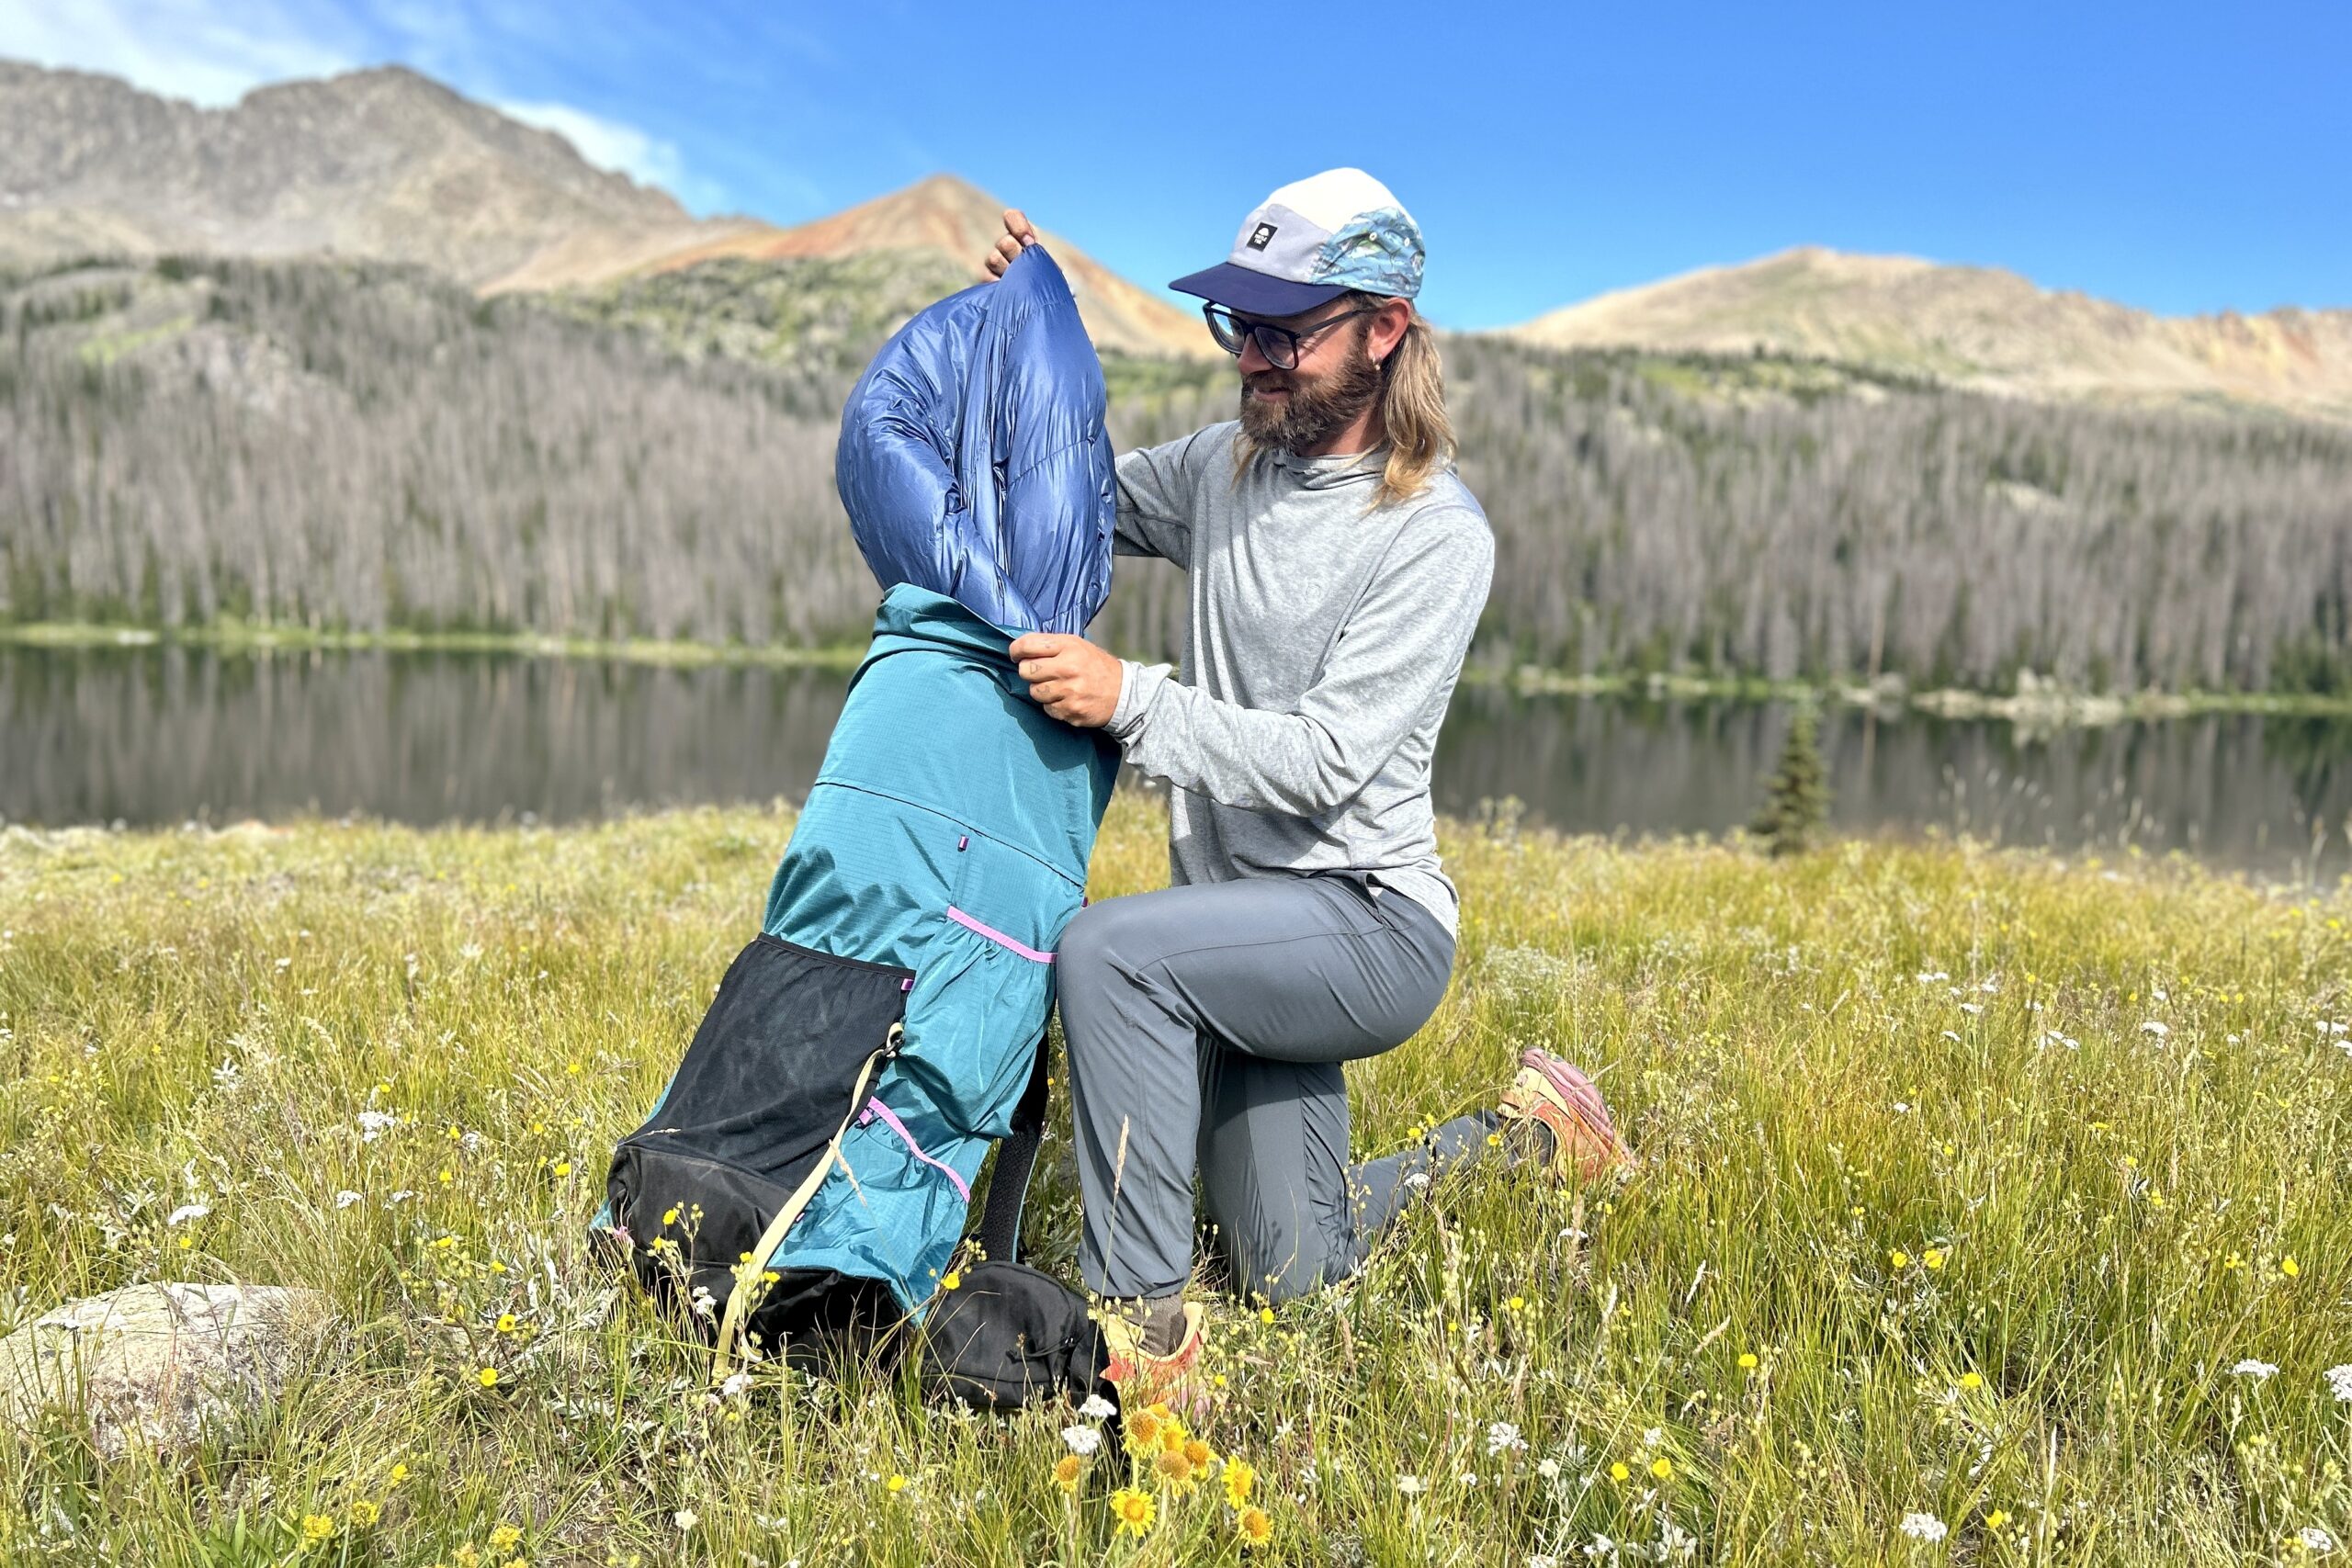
1016, 237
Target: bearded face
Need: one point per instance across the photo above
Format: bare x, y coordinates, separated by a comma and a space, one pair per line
1307, 407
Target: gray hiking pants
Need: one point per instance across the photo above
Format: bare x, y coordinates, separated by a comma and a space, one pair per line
1208, 1023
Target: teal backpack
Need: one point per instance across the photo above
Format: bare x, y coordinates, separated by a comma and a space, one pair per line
807, 1173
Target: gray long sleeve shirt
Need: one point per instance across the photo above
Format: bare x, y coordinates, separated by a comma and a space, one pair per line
1322, 644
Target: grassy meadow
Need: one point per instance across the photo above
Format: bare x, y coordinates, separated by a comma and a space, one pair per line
1996, 1209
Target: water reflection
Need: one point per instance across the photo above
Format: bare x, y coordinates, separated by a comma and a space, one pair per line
163, 735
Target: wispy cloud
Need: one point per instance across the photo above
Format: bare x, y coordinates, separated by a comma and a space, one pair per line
611, 144
209, 54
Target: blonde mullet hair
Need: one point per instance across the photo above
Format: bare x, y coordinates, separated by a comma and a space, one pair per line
1411, 404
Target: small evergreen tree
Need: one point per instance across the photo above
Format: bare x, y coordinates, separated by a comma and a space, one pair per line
1796, 797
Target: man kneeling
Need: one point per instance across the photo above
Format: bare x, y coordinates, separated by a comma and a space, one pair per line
1337, 569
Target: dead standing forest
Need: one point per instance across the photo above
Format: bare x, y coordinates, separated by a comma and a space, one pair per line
363, 448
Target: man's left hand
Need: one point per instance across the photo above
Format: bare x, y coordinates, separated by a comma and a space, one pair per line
1075, 680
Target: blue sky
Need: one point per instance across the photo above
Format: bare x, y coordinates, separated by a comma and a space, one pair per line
2180, 158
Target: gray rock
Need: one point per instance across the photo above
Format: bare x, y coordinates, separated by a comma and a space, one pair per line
155, 1364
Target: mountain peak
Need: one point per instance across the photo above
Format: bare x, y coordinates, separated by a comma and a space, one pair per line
944, 213
382, 161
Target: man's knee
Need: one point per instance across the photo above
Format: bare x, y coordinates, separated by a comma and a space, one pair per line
1101, 939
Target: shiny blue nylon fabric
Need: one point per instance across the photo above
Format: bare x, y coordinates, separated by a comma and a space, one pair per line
944, 786
973, 461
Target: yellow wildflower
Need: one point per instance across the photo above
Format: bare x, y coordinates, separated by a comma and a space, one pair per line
505, 1539
1619, 1473
1517, 1303
897, 1484
505, 1323
1996, 1519
317, 1527
1065, 1471
669, 1216
1933, 1257
1898, 1258
487, 1377
1172, 1467
954, 1279
1970, 1379
1133, 1510
1239, 1476
364, 1513
1662, 1467
1265, 1315
1255, 1527
400, 1473
1144, 1430
1748, 1361
2288, 1267
563, 1167
1200, 1454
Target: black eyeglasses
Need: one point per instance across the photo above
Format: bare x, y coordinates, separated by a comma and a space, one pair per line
1279, 345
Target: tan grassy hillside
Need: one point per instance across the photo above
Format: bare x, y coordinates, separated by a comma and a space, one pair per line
1977, 327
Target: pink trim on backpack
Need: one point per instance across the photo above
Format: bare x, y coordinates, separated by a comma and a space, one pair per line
997, 936
875, 1108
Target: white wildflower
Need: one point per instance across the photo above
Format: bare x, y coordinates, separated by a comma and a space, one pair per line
188, 1211
2316, 1539
345, 1198
2339, 1382
1502, 1435
736, 1385
374, 1124
1097, 1409
2152, 1027
1969, 1008
2257, 1370
685, 1519
1925, 1527
1082, 1441
1411, 1485
1549, 1468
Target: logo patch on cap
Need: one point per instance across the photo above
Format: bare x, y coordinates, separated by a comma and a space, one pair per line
1263, 238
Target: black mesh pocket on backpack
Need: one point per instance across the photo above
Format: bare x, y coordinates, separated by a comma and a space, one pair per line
760, 1094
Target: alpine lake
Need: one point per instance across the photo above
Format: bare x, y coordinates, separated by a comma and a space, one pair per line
166, 734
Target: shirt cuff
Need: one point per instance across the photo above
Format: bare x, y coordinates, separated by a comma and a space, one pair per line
1138, 684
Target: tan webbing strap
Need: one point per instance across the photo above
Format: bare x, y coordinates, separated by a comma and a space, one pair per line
731, 1321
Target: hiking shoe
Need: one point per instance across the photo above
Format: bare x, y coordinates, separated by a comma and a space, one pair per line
1550, 1093
1142, 1379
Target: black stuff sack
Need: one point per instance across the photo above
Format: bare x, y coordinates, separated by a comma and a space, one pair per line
1007, 1337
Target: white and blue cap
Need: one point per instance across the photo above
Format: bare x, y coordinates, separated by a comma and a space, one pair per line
1311, 241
